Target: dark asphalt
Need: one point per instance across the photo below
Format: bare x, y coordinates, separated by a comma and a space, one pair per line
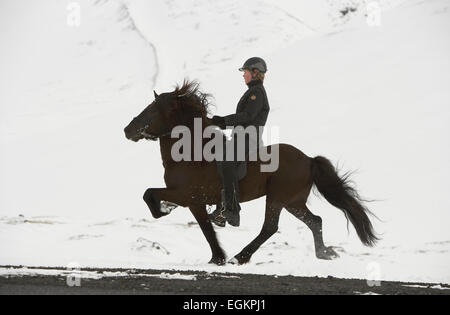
205, 284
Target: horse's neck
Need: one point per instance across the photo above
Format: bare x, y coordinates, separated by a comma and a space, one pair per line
166, 144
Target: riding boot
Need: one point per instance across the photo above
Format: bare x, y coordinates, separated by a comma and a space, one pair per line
231, 205
230, 200
228, 211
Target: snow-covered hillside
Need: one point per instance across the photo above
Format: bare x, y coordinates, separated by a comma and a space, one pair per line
373, 98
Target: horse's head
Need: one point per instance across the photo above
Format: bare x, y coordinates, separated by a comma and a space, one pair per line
151, 122
167, 111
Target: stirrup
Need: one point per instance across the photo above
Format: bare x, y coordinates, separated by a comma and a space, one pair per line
218, 218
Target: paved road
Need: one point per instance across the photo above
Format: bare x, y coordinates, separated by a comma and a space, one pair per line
162, 282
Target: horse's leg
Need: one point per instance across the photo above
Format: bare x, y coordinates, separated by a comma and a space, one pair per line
314, 222
269, 228
153, 197
200, 214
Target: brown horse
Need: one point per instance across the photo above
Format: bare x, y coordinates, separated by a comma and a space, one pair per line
195, 184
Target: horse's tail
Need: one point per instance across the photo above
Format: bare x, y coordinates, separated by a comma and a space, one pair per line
337, 191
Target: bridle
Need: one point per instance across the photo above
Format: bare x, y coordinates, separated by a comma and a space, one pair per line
148, 136
143, 131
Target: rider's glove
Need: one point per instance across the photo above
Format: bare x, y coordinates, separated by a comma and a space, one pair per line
219, 122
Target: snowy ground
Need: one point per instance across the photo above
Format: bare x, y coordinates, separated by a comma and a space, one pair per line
176, 242
371, 98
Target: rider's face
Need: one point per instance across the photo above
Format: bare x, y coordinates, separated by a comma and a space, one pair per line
247, 76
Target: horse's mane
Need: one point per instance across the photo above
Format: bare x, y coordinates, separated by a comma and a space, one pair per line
194, 100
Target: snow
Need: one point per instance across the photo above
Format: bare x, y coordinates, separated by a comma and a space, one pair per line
438, 286
366, 293
15, 272
374, 99
175, 242
83, 274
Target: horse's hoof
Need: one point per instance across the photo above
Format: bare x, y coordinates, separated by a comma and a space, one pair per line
233, 261
153, 204
219, 261
158, 215
239, 260
327, 253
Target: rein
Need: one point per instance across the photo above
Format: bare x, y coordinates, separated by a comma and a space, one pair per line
149, 136
153, 137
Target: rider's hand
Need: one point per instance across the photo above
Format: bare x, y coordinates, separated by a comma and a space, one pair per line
219, 122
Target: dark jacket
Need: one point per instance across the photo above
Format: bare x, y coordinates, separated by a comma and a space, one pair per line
252, 109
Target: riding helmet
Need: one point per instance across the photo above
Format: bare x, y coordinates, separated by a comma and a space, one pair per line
255, 63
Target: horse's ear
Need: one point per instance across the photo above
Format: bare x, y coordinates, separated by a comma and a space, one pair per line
154, 93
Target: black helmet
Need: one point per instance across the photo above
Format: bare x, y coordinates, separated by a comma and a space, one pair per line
254, 63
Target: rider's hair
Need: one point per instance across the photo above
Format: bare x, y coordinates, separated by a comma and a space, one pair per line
258, 75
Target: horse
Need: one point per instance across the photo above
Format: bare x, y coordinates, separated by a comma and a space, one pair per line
196, 184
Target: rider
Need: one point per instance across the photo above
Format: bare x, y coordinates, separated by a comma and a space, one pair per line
252, 110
